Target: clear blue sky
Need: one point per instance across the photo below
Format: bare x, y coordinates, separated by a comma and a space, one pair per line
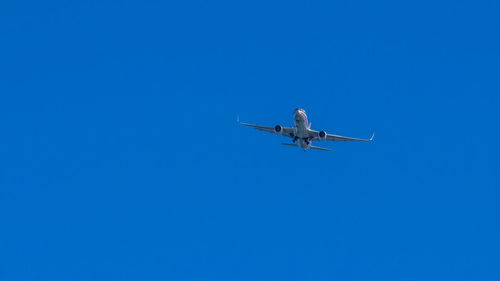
121, 158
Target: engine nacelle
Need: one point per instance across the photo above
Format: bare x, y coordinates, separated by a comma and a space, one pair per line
278, 129
322, 135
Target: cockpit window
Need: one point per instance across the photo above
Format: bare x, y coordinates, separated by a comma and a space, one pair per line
299, 109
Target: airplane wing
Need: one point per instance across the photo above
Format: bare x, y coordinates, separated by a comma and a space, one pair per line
330, 137
287, 131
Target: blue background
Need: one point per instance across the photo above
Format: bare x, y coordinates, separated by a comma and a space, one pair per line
121, 158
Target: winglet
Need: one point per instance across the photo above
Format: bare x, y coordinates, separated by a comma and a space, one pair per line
238, 118
372, 136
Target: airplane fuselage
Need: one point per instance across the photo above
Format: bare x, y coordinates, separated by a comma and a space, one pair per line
302, 128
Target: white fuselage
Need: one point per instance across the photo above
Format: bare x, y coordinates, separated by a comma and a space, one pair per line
302, 129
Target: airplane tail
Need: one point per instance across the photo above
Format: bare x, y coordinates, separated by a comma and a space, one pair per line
311, 147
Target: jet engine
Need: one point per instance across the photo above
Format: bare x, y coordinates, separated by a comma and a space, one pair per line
322, 135
278, 129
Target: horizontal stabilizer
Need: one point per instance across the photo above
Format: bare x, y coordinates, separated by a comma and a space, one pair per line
320, 148
311, 147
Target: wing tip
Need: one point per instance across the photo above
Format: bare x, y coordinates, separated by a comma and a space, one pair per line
371, 138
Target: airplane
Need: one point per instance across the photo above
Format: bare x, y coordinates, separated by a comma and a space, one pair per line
302, 132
